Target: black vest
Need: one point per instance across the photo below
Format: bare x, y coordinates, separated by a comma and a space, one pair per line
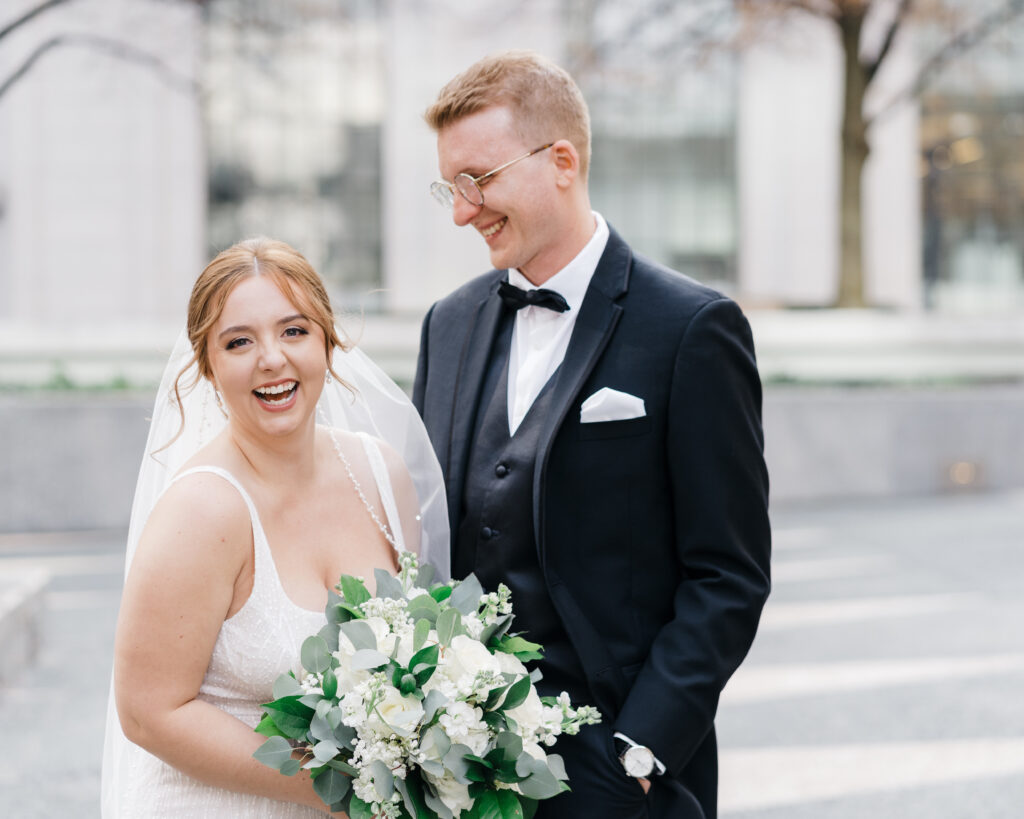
495, 538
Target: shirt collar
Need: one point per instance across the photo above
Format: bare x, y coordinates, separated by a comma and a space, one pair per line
572, 280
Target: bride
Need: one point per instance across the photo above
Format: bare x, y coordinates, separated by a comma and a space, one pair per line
246, 511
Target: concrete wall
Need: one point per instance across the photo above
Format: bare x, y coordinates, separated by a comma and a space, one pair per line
70, 461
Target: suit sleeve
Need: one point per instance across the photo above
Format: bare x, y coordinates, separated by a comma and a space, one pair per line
419, 385
719, 487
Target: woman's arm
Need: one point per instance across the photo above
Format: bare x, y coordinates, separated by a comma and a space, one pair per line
192, 570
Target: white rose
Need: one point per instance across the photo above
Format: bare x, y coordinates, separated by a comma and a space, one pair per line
510, 664
465, 656
395, 713
529, 713
403, 638
347, 678
454, 795
534, 750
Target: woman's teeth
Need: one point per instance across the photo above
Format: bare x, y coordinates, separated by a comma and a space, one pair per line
277, 394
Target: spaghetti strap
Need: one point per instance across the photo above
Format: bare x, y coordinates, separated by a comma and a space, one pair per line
264, 560
231, 479
387, 494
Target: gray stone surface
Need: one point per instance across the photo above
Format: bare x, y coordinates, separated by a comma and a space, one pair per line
72, 460
21, 612
885, 680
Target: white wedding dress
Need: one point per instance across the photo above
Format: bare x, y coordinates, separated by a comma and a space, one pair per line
263, 639
257, 644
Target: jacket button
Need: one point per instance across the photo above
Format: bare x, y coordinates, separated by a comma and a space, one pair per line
487, 533
501, 470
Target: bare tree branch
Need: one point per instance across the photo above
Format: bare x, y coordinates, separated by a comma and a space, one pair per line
890, 35
29, 15
115, 48
950, 50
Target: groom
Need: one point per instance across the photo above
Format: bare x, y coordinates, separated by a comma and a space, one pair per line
598, 420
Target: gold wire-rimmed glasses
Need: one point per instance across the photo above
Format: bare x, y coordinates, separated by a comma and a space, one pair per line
469, 187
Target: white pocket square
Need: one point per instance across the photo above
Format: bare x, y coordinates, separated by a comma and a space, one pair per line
611, 405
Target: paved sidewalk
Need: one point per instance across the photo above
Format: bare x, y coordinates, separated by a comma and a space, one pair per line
887, 677
886, 680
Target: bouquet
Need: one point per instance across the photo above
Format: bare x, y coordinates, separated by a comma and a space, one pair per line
415, 704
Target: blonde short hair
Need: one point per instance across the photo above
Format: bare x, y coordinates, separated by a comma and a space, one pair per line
545, 101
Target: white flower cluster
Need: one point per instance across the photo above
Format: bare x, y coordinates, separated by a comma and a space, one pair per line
418, 692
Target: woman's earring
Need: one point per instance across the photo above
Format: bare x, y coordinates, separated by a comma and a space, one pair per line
327, 378
220, 403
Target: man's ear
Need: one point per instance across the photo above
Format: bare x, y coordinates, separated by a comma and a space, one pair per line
567, 162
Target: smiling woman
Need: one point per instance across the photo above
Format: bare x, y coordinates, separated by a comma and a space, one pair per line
241, 525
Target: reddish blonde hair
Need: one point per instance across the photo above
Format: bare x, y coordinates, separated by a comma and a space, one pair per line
259, 256
545, 101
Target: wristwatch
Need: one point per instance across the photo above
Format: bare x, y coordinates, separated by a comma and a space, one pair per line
637, 760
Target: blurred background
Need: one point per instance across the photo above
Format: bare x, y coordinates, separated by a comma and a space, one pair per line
851, 171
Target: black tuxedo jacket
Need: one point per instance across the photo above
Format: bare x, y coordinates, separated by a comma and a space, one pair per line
652, 532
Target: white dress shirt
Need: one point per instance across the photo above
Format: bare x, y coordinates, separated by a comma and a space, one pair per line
540, 336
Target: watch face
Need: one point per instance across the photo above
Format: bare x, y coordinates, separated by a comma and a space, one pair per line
638, 762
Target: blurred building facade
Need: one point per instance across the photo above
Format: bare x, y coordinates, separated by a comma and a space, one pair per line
145, 136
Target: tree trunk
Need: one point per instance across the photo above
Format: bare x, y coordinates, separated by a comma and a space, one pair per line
854, 156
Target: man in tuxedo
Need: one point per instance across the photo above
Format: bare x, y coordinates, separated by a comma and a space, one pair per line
598, 420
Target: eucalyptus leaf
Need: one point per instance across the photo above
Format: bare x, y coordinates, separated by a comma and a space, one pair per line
457, 764
449, 623
434, 700
291, 767
274, 752
420, 633
466, 596
424, 606
367, 658
330, 636
325, 750
496, 630
286, 686
434, 803
425, 575
320, 729
540, 783
510, 744
441, 740
413, 793
331, 785
315, 656
338, 612
557, 766
388, 585
383, 779
360, 634
432, 767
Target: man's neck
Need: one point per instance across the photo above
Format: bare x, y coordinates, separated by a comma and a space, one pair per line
580, 231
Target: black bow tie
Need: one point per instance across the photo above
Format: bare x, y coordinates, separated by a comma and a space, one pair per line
516, 298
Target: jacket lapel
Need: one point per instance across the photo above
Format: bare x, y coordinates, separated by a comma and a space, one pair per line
595, 324
472, 369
